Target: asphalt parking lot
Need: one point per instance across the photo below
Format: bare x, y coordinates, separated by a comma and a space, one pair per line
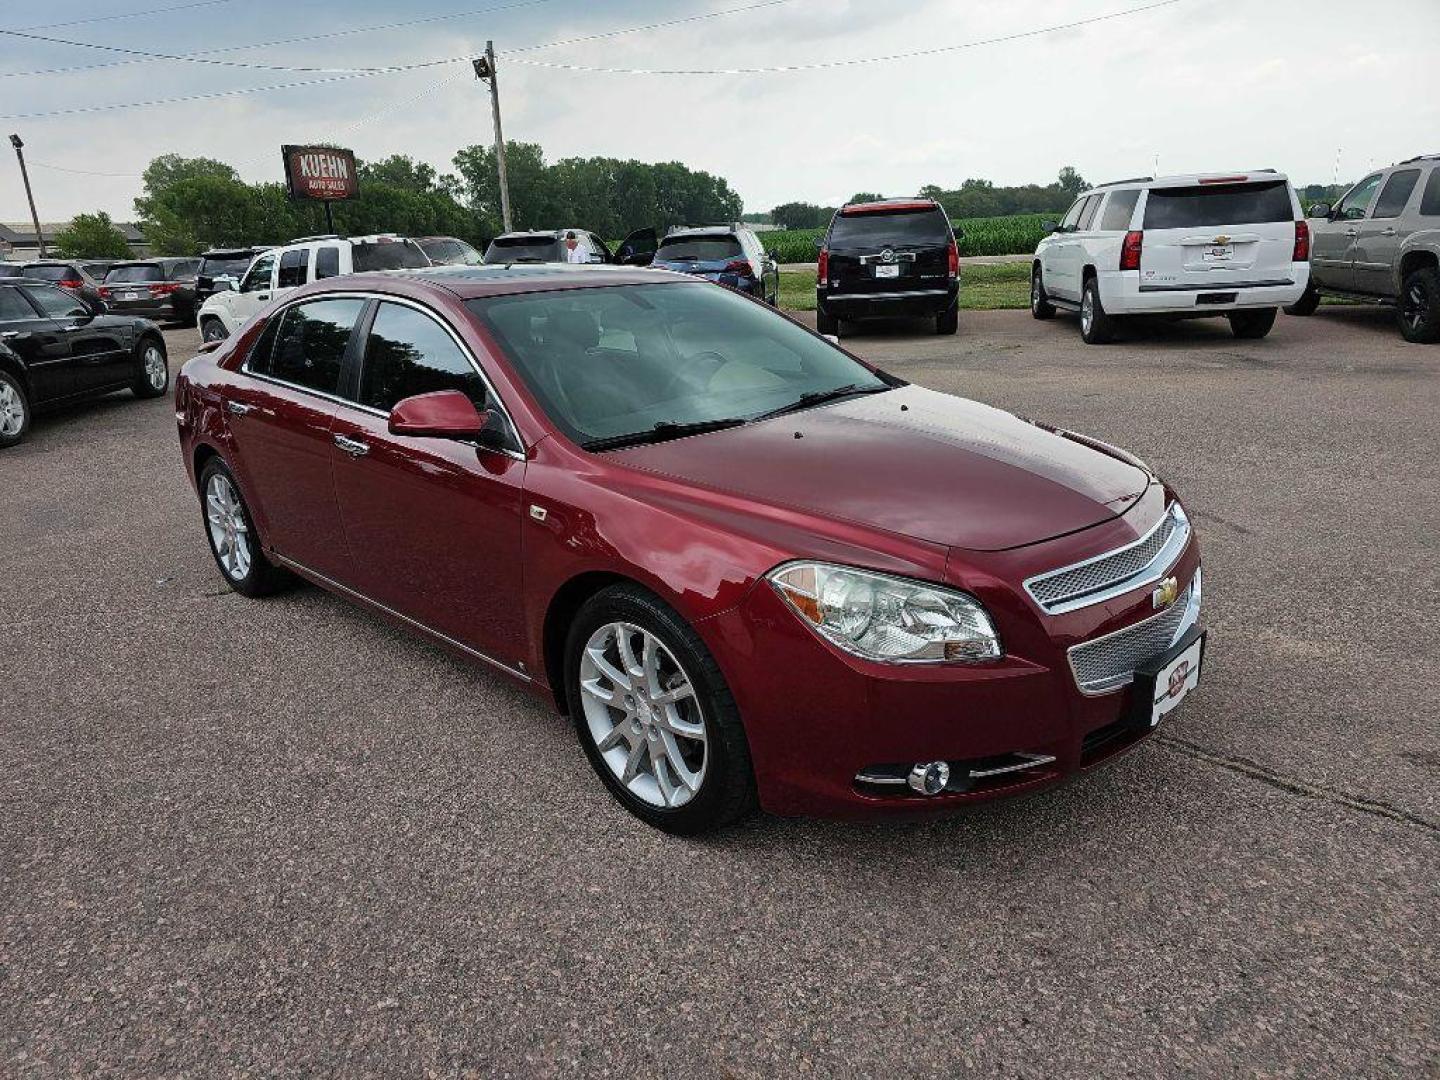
280, 837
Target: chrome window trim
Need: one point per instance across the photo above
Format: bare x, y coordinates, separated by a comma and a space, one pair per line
1148, 574
1188, 619
348, 403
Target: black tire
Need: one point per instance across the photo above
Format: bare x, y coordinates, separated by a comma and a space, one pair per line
1040, 306
185, 314
1308, 302
262, 577
948, 322
727, 787
1096, 327
826, 323
15, 410
213, 330
146, 384
1419, 307
1252, 325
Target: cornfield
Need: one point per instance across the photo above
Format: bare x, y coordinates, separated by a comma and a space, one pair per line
1014, 235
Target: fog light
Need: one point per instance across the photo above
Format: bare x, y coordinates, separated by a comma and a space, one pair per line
930, 779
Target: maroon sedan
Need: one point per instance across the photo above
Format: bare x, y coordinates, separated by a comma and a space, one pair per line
749, 566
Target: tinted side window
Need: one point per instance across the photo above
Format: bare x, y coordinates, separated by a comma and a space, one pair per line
327, 262
292, 268
258, 277
1430, 200
1396, 193
57, 303
310, 343
410, 353
13, 306
1087, 215
1119, 210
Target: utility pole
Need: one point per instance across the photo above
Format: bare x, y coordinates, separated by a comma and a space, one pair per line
485, 72
19, 145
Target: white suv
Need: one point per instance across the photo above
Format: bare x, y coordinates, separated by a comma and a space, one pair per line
1181, 246
277, 271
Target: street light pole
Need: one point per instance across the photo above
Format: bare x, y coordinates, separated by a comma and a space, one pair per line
19, 145
485, 72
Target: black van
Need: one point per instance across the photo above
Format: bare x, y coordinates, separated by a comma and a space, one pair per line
890, 259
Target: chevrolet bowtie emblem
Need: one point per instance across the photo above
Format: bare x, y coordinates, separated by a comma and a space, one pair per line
1222, 239
1165, 593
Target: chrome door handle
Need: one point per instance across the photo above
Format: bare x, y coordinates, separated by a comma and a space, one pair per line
1388, 232
237, 408
353, 447
8, 334
1352, 232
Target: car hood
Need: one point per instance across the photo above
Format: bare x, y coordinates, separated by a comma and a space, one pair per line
914, 462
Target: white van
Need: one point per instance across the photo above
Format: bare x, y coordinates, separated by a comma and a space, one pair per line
275, 272
1233, 244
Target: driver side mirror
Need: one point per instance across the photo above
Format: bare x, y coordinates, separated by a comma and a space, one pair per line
1319, 210
1050, 227
444, 414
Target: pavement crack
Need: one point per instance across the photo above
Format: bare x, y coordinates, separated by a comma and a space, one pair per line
1245, 767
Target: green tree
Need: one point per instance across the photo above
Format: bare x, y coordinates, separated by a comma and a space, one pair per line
525, 170
92, 236
1071, 182
865, 196
403, 171
801, 215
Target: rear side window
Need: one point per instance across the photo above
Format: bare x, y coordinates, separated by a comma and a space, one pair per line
13, 306
292, 268
310, 343
134, 274
879, 228
1119, 210
388, 255
1430, 200
410, 353
700, 249
1396, 193
1207, 206
327, 262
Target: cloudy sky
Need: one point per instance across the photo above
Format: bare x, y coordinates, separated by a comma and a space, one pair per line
1185, 85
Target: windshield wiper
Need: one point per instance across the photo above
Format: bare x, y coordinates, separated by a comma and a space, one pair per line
661, 432
812, 398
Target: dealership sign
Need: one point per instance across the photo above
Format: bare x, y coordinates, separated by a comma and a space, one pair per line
320, 172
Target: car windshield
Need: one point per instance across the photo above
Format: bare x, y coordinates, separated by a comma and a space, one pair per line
642, 362
215, 265
1213, 205
507, 249
387, 255
51, 273
10, 270
699, 249
133, 274
895, 228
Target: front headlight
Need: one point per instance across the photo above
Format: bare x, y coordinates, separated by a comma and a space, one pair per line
887, 618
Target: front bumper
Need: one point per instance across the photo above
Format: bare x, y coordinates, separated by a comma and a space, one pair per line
817, 717
921, 301
1124, 293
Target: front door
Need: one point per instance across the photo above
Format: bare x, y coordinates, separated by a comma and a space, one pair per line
1377, 247
42, 348
1061, 261
280, 411
1332, 245
254, 293
100, 358
434, 525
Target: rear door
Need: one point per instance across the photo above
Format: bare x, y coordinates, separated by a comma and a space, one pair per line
1218, 234
902, 249
1378, 239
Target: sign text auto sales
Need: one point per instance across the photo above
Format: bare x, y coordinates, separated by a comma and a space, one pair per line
320, 172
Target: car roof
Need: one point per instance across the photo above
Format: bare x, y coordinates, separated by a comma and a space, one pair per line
1253, 176
698, 230
496, 279
217, 253
882, 205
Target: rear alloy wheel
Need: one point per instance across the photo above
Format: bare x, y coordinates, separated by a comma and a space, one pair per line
1308, 302
14, 410
233, 539
1419, 307
1040, 306
152, 378
948, 322
1096, 327
654, 714
213, 330
1252, 324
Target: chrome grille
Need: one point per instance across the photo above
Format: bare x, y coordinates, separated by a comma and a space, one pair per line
1115, 572
1108, 663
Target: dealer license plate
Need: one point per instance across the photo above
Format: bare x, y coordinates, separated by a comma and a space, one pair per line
1219, 252
129, 296
887, 271
1160, 689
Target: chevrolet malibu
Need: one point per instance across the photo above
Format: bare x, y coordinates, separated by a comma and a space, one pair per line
751, 568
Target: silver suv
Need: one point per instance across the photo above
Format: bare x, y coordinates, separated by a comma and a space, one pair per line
1381, 241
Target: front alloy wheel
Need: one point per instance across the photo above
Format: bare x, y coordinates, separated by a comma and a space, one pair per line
231, 532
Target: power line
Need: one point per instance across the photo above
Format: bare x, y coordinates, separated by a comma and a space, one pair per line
177, 56
126, 15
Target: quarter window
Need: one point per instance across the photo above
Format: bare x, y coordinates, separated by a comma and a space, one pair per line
410, 353
1119, 210
310, 344
56, 303
292, 268
1357, 201
1396, 194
